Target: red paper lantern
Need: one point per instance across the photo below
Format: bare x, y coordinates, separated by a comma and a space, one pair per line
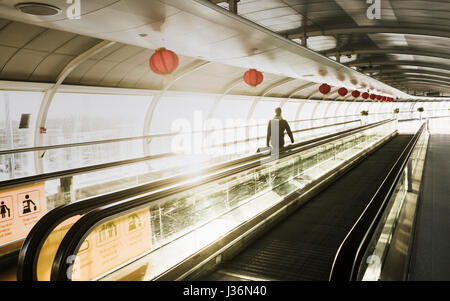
356, 94
163, 61
342, 91
373, 96
324, 89
253, 77
384, 98
365, 95
379, 97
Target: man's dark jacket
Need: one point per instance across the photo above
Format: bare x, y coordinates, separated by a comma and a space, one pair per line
282, 125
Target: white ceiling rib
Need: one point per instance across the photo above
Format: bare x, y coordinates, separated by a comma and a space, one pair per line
200, 29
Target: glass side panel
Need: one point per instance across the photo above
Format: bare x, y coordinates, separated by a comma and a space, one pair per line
78, 117
321, 109
290, 109
226, 108
265, 110
190, 108
183, 223
18, 114
61, 191
372, 263
307, 110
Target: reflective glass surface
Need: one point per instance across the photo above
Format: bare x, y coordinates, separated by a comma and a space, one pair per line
183, 223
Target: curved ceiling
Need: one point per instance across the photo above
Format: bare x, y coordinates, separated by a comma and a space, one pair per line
408, 34
37, 54
391, 53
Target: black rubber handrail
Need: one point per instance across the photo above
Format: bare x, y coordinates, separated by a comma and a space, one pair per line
351, 251
32, 245
91, 168
29, 253
81, 229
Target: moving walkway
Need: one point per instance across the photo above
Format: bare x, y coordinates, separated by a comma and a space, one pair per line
170, 232
120, 179
304, 245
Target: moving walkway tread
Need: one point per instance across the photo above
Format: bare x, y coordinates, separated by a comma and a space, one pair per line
303, 246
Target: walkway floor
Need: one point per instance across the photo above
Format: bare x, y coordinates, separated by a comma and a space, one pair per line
430, 258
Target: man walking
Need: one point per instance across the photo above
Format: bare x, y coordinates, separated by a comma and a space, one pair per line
275, 131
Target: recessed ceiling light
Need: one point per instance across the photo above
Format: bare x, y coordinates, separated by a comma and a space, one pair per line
38, 9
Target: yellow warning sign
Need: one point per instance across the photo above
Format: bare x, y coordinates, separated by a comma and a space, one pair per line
20, 209
113, 244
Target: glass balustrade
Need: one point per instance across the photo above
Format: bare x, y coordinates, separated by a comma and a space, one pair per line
95, 183
170, 229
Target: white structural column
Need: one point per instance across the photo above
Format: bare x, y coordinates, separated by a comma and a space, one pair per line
327, 108
265, 92
313, 111
50, 93
233, 84
336, 112
332, 92
299, 109
278, 84
186, 70
300, 106
301, 88
312, 94
348, 96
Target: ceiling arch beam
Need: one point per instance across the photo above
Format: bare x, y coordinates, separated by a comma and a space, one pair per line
368, 71
406, 51
295, 91
276, 85
417, 80
300, 32
374, 72
264, 93
401, 76
418, 88
333, 91
422, 84
47, 99
396, 63
313, 93
228, 88
187, 70
397, 72
183, 72
412, 85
